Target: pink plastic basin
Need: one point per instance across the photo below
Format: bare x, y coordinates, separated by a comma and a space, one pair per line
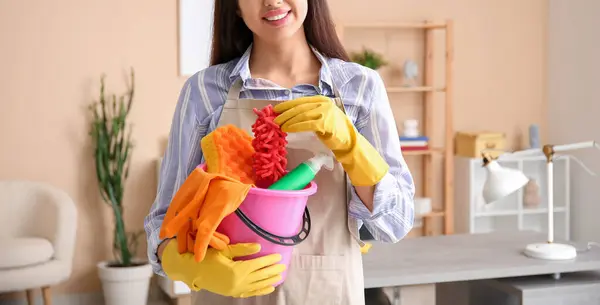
277, 220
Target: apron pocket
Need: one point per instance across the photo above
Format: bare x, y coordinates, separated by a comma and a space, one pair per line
315, 279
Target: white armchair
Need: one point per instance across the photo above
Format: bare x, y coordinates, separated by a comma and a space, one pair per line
37, 237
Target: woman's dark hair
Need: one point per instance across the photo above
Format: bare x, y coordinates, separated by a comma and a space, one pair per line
231, 36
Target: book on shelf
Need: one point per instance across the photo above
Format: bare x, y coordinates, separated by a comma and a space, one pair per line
413, 139
414, 148
414, 143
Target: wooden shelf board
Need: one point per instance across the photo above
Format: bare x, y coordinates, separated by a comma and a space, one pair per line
432, 214
415, 25
422, 152
524, 211
413, 89
497, 213
558, 209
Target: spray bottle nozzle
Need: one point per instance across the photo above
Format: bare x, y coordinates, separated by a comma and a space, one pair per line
321, 160
304, 173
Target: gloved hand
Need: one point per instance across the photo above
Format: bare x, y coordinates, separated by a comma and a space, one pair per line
220, 274
363, 164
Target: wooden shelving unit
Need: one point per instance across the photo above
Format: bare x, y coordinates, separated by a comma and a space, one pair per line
428, 89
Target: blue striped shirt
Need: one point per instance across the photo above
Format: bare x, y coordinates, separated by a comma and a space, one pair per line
366, 102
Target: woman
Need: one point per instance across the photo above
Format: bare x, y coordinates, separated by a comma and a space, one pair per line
286, 53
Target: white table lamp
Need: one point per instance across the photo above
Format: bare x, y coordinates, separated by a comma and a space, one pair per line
502, 182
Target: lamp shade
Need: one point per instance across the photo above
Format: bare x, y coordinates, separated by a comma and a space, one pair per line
501, 182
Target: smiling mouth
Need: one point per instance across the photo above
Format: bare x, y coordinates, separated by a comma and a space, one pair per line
277, 17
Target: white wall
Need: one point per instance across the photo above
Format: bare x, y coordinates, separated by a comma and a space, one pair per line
574, 101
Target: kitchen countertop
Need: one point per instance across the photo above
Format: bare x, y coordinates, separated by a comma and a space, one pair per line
464, 257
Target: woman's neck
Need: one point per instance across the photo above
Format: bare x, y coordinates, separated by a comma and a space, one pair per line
286, 63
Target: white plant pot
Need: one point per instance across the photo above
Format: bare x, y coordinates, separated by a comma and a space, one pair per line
125, 285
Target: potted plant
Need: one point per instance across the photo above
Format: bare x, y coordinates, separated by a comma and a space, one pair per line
369, 58
125, 279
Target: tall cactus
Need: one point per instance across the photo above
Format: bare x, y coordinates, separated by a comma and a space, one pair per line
111, 138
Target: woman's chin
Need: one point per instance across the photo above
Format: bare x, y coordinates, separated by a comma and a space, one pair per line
281, 33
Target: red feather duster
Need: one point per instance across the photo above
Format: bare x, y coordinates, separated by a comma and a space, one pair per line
270, 156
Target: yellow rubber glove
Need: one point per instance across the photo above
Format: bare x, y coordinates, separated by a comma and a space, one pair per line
220, 274
365, 249
363, 164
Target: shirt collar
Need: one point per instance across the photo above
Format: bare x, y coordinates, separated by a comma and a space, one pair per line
242, 68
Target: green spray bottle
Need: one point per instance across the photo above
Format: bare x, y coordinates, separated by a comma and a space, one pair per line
303, 174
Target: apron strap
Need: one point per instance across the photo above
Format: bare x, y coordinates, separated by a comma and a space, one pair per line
336, 93
234, 90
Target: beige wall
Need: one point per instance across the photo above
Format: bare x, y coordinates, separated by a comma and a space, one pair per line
53, 53
573, 106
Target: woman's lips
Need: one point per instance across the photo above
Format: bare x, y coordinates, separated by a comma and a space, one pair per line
273, 13
277, 18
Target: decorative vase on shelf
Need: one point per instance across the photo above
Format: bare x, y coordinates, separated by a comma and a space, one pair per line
531, 195
411, 128
411, 71
534, 136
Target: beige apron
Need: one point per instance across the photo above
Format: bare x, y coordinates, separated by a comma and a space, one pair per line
326, 268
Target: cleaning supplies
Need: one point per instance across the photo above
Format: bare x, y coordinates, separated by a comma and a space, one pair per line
270, 154
277, 220
303, 174
211, 192
228, 151
193, 222
186, 203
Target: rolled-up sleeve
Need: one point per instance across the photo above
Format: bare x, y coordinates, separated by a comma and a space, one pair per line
182, 155
393, 205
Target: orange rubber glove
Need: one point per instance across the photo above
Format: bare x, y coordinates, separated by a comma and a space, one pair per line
197, 210
224, 196
185, 205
